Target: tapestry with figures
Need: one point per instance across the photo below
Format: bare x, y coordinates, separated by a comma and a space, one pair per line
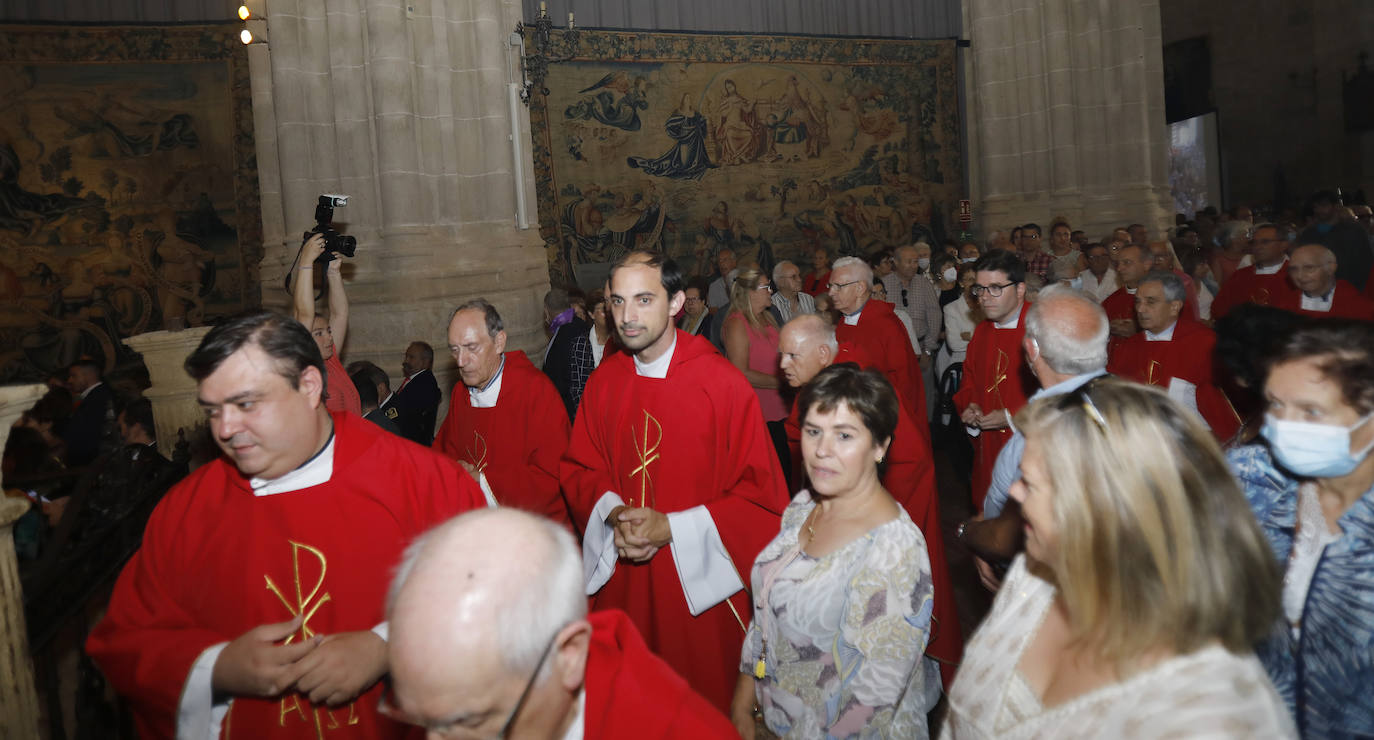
772, 146
128, 189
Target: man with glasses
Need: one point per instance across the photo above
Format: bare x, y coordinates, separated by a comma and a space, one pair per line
996, 381
1033, 253
1265, 282
788, 297
1320, 292
1099, 280
1174, 353
1132, 262
873, 327
490, 638
909, 289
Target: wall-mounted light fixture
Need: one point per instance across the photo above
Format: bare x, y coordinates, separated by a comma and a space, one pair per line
534, 66
254, 28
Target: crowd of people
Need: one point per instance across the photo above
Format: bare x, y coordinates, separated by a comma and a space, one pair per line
711, 510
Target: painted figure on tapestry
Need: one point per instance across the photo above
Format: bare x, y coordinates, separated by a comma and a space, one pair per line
687, 159
617, 102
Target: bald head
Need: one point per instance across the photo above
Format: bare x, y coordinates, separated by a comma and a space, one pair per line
1066, 335
472, 608
1313, 269
807, 345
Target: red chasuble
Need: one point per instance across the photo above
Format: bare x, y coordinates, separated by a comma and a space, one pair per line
1187, 356
995, 377
217, 561
910, 478
883, 339
631, 694
517, 443
1121, 305
1248, 286
340, 393
694, 438
1346, 303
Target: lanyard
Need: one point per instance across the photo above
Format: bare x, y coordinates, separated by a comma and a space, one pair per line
765, 609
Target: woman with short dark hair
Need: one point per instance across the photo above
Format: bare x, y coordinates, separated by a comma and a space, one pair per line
1311, 486
843, 595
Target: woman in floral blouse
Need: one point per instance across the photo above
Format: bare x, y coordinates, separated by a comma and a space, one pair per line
842, 596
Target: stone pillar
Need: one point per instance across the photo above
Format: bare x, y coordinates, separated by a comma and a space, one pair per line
18, 699
173, 392
1066, 102
403, 106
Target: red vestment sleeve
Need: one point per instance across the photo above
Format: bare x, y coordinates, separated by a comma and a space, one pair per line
146, 644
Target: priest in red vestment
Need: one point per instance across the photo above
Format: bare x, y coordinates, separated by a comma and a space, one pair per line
501, 426
256, 601
1175, 354
672, 476
1133, 262
996, 380
874, 328
1320, 295
510, 650
1266, 282
808, 346
329, 332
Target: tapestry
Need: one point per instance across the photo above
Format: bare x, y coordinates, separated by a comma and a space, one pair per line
772, 146
128, 189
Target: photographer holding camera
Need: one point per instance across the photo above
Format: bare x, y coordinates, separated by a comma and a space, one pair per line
329, 332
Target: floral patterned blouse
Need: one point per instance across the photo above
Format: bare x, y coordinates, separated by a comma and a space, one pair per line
843, 635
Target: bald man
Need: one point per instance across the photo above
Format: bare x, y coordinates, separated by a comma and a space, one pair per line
808, 346
1320, 294
489, 635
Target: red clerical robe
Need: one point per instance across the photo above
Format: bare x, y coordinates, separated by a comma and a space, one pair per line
217, 561
1346, 303
1187, 356
910, 478
517, 443
882, 338
340, 393
631, 694
995, 377
1121, 305
1248, 286
694, 438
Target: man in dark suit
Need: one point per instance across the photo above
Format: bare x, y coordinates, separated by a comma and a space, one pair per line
367, 387
415, 403
92, 419
564, 324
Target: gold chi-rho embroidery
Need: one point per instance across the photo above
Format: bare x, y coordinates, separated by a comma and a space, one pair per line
647, 452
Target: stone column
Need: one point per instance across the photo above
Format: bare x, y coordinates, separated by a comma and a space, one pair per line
403, 106
173, 392
18, 699
1066, 104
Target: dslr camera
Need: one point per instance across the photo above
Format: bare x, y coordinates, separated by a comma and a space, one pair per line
334, 242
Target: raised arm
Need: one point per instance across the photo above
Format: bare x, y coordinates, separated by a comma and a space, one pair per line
338, 305
303, 285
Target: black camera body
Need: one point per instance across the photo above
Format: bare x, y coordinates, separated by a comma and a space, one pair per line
334, 242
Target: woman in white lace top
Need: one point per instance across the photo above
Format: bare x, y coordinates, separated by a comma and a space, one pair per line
842, 596
1144, 584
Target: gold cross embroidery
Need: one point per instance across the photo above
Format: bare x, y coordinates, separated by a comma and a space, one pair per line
302, 602
648, 453
477, 454
1150, 373
1261, 296
1000, 374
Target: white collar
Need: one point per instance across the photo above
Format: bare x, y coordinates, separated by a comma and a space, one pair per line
658, 368
1131, 291
318, 469
852, 319
92, 387
1013, 322
1271, 270
1165, 336
486, 396
1320, 302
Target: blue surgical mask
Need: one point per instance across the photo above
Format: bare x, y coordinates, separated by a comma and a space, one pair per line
923, 263
1077, 282
1314, 450
969, 259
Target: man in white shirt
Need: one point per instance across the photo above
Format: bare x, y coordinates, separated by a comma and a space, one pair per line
788, 297
718, 295
1099, 280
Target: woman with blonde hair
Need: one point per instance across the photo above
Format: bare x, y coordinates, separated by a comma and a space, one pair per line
750, 335
1144, 584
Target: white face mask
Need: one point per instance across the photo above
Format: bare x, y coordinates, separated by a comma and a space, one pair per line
949, 274
1314, 450
923, 263
969, 259
1077, 282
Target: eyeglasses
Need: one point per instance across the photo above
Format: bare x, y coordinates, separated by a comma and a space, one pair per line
765, 288
387, 708
838, 286
1081, 397
992, 291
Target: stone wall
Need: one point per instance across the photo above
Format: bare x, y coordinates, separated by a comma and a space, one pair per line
1276, 78
403, 106
1066, 113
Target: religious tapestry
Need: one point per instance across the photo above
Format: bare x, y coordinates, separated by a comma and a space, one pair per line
128, 189
770, 145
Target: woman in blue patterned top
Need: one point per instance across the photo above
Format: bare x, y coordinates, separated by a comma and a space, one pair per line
1312, 489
